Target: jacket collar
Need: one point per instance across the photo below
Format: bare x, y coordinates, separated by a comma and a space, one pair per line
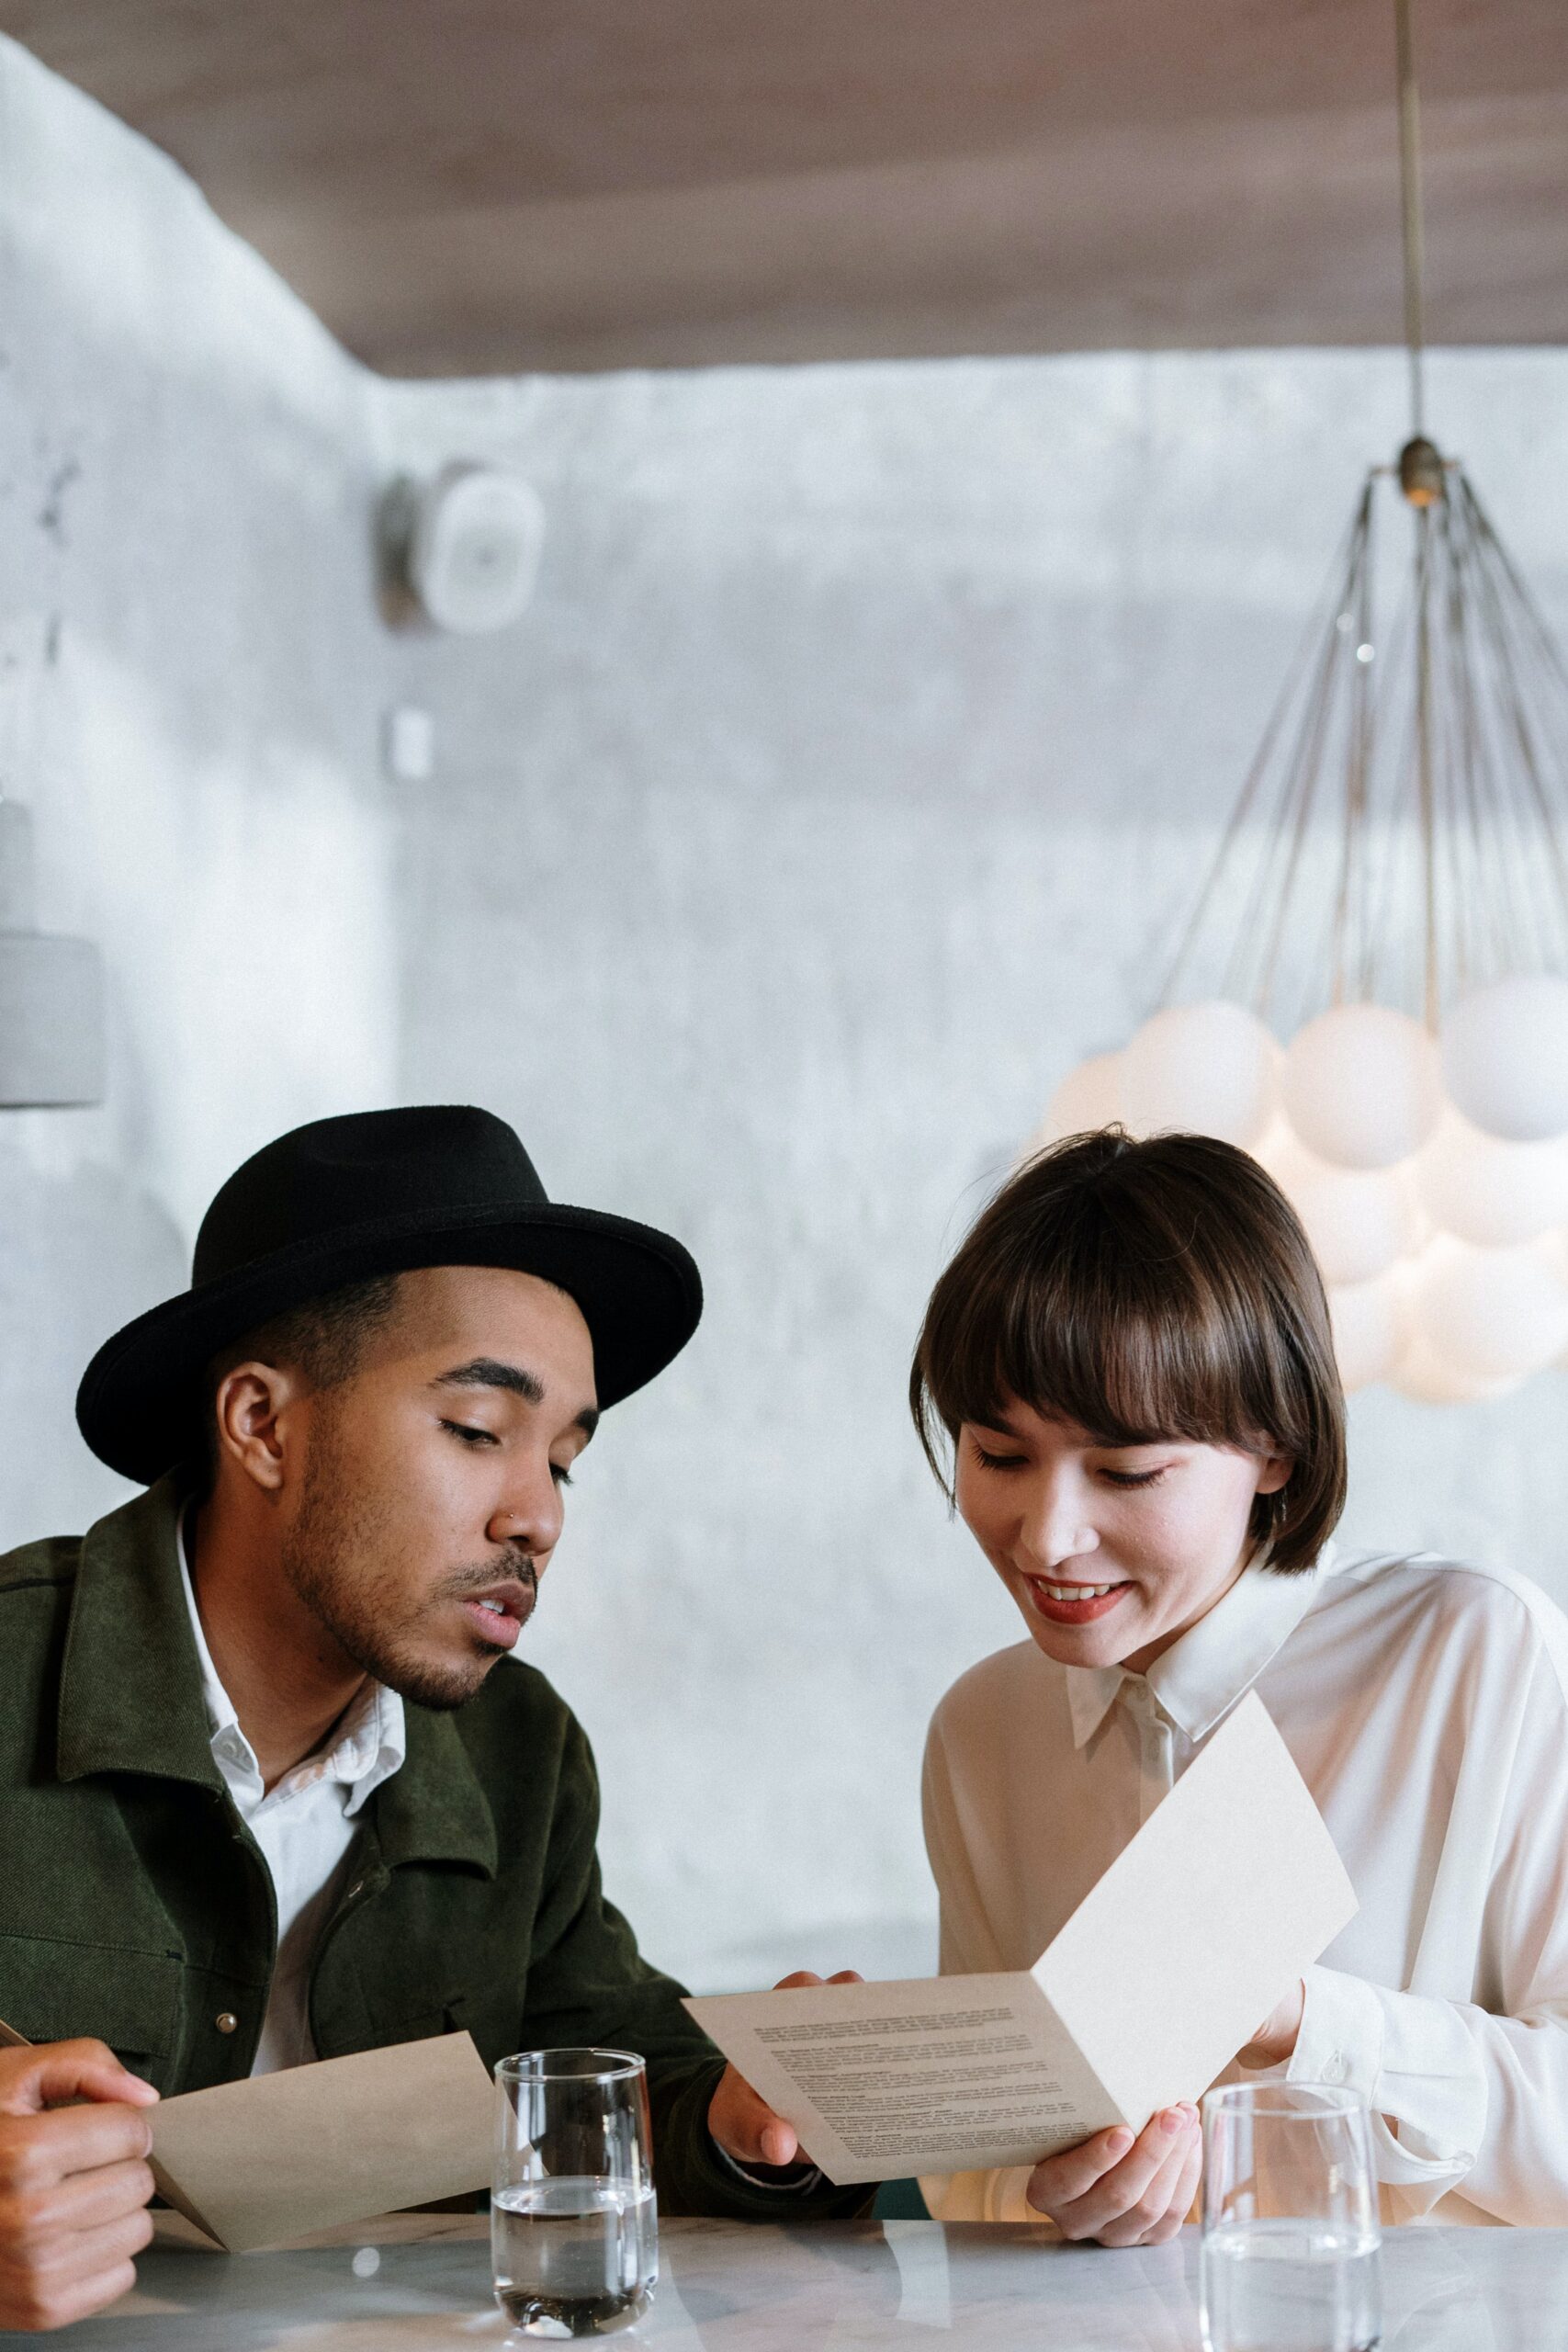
130, 1683
434, 1809
131, 1694
1201, 1675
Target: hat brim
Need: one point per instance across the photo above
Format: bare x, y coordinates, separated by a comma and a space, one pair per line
140, 1401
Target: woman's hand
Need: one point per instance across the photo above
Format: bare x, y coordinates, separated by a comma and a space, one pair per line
1276, 2038
1123, 2191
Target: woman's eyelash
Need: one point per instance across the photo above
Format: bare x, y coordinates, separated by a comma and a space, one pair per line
1113, 1477
562, 1477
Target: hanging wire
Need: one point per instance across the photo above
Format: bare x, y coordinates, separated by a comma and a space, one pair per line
1410, 213
1438, 755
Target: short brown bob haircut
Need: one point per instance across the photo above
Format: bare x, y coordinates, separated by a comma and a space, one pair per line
1145, 1290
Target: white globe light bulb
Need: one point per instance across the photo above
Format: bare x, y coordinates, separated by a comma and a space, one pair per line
1210, 1069
1491, 1314
1430, 1379
1088, 1099
1362, 1086
1505, 1058
1491, 1192
1372, 1323
1358, 1223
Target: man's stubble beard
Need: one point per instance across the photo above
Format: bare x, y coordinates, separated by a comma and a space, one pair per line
326, 1558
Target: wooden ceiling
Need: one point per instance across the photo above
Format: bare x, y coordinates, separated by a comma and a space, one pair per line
460, 186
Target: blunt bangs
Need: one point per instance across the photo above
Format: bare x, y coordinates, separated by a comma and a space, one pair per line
1145, 1290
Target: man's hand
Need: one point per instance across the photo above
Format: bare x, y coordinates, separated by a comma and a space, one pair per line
75, 2181
1123, 2191
1275, 2039
744, 2125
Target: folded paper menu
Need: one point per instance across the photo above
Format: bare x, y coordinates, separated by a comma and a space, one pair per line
1230, 1889
274, 2157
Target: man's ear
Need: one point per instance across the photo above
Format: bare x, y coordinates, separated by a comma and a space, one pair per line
250, 1404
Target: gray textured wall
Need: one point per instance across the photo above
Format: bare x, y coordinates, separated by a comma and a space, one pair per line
844, 785
188, 676
839, 791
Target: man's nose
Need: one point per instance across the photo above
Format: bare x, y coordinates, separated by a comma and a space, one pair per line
530, 1517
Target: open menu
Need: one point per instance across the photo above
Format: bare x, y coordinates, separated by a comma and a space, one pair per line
275, 2157
1230, 1889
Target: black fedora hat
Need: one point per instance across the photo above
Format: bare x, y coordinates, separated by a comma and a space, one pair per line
378, 1193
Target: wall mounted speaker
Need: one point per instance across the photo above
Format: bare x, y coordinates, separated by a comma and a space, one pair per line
467, 545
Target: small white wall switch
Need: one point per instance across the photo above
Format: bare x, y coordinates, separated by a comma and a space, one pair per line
408, 744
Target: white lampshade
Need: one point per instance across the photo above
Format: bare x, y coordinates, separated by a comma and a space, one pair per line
1362, 1087
1431, 1379
1506, 1057
1211, 1070
1089, 1098
1487, 1191
1358, 1222
1491, 1314
1371, 1322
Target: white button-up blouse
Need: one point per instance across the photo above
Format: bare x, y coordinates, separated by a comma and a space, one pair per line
1426, 1705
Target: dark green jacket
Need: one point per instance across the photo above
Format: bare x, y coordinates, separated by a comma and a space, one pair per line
135, 1905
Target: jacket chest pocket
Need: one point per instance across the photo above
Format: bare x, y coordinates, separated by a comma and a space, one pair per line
54, 1989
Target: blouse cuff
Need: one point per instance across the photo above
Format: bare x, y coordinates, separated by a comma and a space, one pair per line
1412, 2060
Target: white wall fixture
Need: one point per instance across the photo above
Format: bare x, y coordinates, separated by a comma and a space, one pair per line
408, 744
466, 545
1399, 854
51, 993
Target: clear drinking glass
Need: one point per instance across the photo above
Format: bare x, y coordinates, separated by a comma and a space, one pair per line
1290, 2235
574, 2226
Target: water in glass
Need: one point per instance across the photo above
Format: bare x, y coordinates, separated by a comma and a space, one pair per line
1290, 2235
1290, 2287
573, 2256
574, 2229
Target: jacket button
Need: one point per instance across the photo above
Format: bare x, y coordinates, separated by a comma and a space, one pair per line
226, 2021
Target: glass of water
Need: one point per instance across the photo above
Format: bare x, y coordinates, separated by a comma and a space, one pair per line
1290, 2236
574, 2229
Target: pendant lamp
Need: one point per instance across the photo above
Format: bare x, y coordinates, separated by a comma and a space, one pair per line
1371, 994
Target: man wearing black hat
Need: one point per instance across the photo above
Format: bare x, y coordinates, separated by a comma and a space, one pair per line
263, 1798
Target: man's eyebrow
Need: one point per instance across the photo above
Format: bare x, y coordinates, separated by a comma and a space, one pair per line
488, 1372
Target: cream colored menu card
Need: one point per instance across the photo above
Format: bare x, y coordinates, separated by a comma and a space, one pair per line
258, 2162
275, 2157
1230, 1889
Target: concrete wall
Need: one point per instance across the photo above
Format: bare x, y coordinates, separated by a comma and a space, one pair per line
868, 734
844, 785
188, 667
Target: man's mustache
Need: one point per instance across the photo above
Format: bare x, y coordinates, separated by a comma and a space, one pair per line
517, 1568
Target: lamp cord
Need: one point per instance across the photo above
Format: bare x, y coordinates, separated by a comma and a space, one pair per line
1410, 212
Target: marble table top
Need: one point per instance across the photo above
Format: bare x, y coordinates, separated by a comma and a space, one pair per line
416, 2283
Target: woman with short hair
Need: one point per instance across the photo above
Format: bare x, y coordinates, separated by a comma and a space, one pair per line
1125, 1381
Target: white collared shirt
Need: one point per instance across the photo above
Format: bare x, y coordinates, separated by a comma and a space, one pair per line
304, 1825
1426, 1705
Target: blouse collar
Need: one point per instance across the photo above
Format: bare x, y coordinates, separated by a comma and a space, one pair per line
1201, 1675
